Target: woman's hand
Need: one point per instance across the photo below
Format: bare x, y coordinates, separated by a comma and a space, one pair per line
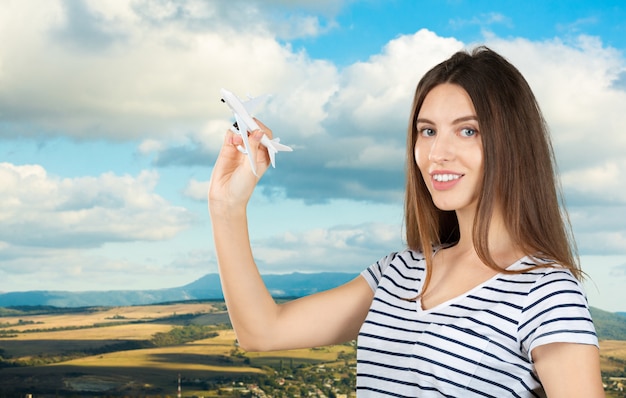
233, 181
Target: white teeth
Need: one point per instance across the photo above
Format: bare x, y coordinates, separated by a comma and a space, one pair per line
445, 177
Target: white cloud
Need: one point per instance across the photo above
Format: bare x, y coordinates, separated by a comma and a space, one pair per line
375, 96
157, 75
46, 211
598, 183
149, 146
370, 154
60, 229
197, 190
599, 229
574, 83
345, 248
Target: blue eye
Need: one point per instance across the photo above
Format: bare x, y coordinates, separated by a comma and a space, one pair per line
426, 132
467, 132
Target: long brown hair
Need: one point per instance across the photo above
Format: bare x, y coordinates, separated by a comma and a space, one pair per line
519, 166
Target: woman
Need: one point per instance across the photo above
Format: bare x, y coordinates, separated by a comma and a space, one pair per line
485, 301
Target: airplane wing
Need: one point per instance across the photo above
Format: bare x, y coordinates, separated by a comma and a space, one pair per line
253, 103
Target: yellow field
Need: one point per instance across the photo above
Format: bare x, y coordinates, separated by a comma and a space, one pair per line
53, 342
610, 350
199, 355
113, 314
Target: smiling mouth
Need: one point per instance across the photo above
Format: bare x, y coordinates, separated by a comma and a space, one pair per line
446, 177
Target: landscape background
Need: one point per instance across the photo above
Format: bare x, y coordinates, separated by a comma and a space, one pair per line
147, 342
151, 350
110, 121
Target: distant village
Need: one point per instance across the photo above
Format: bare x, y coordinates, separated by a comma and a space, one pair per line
316, 381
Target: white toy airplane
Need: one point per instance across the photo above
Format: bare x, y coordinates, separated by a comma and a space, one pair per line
245, 123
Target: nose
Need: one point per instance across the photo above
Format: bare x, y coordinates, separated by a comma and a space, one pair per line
442, 148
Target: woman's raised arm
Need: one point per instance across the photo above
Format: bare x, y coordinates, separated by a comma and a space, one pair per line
260, 324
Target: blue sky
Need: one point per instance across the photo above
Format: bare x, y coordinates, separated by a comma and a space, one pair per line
110, 121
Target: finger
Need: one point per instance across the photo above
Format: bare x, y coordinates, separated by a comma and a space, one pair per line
231, 141
228, 137
229, 157
266, 130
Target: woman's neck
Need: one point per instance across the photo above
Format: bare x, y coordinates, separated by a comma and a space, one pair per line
502, 248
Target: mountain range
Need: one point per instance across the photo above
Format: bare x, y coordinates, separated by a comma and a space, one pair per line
206, 288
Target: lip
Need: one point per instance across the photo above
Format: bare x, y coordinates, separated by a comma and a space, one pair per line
448, 181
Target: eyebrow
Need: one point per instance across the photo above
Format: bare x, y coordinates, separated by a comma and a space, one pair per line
455, 121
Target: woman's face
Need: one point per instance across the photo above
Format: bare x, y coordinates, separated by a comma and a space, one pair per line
448, 150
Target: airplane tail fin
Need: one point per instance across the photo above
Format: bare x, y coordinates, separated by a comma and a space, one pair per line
273, 146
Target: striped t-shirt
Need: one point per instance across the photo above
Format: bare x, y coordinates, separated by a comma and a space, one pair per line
478, 344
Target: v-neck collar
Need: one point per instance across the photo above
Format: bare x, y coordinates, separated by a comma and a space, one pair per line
514, 266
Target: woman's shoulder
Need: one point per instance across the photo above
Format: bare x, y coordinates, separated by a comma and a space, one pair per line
408, 257
404, 262
533, 279
555, 307
538, 268
544, 283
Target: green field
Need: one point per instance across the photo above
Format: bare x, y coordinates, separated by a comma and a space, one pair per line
142, 350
